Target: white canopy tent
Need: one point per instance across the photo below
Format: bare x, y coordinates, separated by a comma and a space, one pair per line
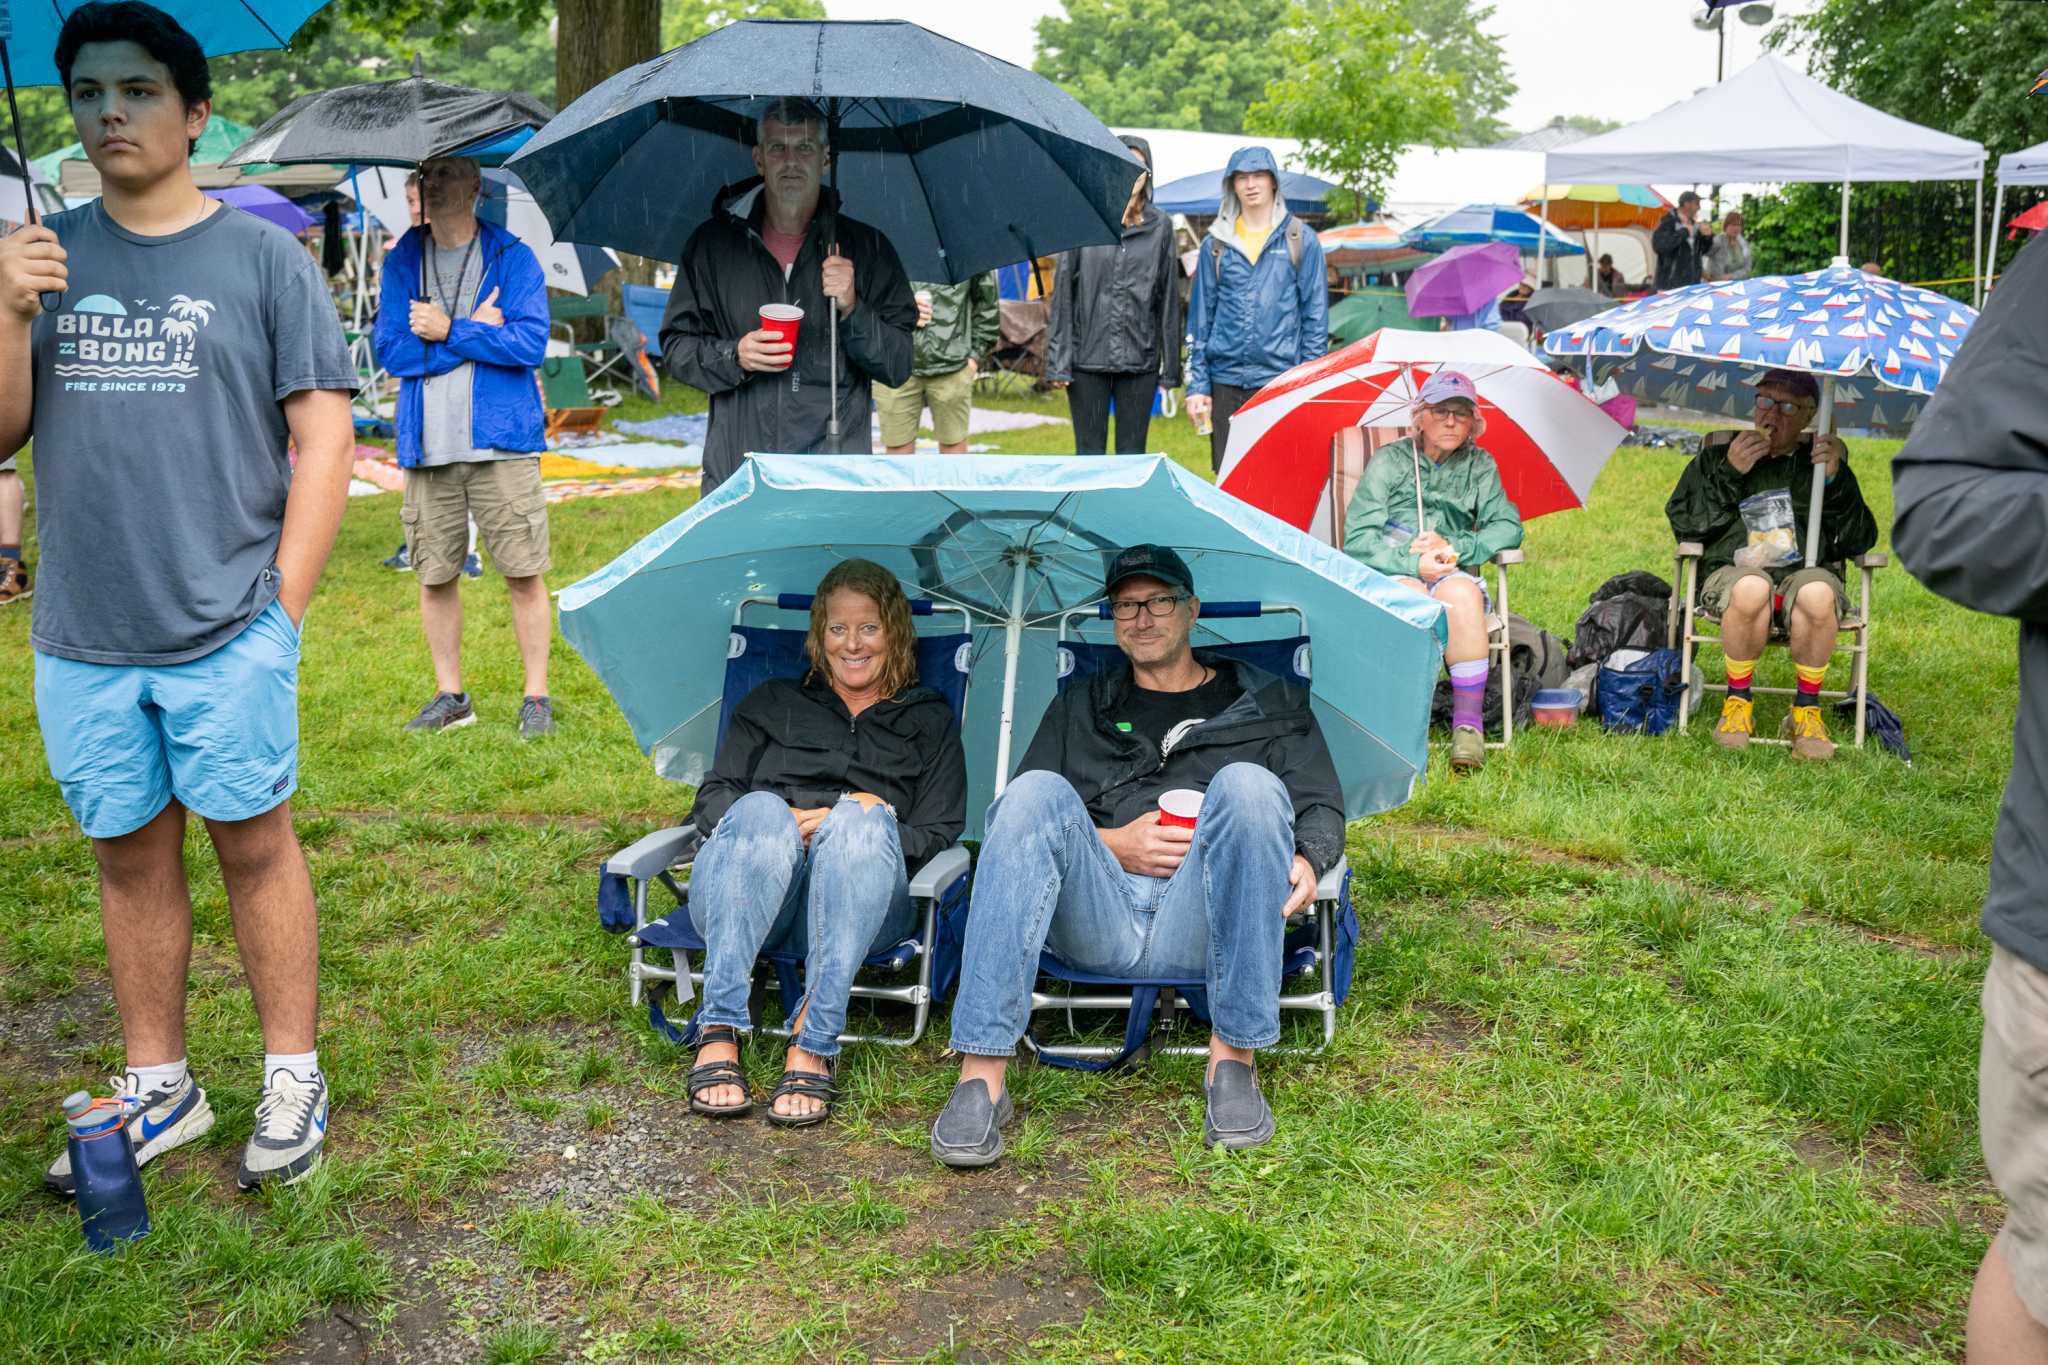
1772, 123
2028, 166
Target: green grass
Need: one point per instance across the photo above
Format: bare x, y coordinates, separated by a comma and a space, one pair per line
1654, 1052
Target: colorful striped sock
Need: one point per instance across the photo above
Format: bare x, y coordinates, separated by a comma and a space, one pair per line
1468, 693
1810, 676
1739, 673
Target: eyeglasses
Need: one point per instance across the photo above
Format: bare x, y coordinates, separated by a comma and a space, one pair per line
1126, 608
1445, 413
1789, 406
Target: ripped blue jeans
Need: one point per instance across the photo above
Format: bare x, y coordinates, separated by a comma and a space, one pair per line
755, 888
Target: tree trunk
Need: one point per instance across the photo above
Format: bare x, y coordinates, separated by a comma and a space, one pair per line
595, 40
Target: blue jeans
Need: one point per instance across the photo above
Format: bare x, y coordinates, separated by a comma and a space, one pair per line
1046, 880
756, 888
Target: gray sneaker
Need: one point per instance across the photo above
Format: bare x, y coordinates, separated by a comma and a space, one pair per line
1237, 1115
969, 1130
157, 1122
447, 711
1468, 749
291, 1126
536, 717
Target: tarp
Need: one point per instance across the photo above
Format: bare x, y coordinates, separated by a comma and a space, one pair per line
1767, 122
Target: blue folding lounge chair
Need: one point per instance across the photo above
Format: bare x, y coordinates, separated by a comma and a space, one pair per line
1321, 939
922, 967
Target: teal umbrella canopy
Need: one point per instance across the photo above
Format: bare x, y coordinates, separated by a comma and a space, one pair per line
1015, 543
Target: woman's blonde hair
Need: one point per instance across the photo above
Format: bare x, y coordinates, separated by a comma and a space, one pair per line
878, 585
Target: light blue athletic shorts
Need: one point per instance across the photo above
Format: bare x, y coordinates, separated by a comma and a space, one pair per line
220, 732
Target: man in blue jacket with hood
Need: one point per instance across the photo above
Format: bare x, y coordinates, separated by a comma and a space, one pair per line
1260, 304
463, 331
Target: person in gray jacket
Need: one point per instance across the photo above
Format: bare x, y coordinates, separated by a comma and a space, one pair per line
1971, 491
1113, 332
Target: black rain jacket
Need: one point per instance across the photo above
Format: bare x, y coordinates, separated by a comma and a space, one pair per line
798, 740
1117, 309
1120, 776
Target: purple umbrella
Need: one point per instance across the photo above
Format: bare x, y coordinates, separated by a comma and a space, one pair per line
266, 204
1463, 280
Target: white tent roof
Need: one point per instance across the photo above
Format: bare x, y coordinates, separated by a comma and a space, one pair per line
1767, 122
1177, 152
2028, 166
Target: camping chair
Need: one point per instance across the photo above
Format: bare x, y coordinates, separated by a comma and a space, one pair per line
645, 307
1320, 940
1017, 361
1685, 635
565, 394
919, 969
1351, 450
604, 355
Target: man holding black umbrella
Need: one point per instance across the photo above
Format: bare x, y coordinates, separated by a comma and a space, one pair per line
780, 240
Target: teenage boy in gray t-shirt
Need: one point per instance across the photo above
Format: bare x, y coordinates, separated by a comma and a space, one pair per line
180, 551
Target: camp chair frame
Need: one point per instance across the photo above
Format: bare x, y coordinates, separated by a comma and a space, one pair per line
1317, 936
1683, 633
1351, 450
566, 419
938, 890
604, 355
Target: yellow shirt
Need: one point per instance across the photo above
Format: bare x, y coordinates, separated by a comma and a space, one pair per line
1252, 239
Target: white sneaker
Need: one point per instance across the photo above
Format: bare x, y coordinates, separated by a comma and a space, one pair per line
157, 1122
291, 1123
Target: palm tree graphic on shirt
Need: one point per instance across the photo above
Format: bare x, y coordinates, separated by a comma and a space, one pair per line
187, 316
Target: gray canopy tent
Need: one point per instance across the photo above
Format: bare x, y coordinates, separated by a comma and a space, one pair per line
2028, 166
1772, 123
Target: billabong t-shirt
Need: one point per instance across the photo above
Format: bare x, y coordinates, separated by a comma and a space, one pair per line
160, 461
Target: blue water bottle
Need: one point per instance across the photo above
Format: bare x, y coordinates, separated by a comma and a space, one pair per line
110, 1202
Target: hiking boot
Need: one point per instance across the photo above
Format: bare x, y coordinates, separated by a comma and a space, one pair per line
536, 717
1738, 723
447, 711
401, 561
1236, 1115
969, 1130
291, 1126
1809, 734
1468, 749
15, 583
157, 1122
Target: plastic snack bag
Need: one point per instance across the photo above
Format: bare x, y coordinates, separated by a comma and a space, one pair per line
1773, 534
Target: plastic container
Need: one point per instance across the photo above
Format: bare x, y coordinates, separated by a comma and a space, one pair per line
110, 1202
1557, 707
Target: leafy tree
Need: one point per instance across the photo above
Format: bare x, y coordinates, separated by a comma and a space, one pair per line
1197, 64
1360, 87
1456, 45
685, 20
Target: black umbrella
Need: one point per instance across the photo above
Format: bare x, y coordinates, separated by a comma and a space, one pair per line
1562, 306
964, 162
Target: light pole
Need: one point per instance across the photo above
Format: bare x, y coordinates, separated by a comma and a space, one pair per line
1756, 14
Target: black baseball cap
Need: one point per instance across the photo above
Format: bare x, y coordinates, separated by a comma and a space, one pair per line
1153, 561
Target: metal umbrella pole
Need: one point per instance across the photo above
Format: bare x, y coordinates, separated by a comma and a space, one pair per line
1823, 425
51, 301
831, 307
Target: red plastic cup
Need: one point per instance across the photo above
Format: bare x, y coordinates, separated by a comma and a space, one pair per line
1179, 807
785, 320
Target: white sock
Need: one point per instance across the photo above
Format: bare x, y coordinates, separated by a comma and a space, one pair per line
304, 1066
147, 1080
1468, 670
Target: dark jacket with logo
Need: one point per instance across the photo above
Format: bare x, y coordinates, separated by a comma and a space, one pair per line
727, 273
1120, 776
798, 740
1971, 493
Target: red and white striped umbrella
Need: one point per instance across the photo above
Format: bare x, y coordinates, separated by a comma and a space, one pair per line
1548, 439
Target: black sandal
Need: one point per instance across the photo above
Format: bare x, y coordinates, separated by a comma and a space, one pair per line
810, 1085
710, 1075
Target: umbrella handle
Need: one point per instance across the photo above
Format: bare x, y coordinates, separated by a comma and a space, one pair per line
832, 324
1823, 426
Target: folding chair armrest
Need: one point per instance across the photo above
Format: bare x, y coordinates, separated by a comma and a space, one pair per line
1872, 561
938, 872
1691, 549
655, 853
1511, 557
1331, 884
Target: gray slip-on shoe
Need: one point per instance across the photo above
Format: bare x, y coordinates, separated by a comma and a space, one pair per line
1237, 1115
969, 1130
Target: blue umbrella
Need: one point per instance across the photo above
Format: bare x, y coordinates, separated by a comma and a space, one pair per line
1491, 223
1879, 347
1015, 542
1201, 192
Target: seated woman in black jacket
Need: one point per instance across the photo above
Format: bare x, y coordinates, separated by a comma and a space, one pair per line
823, 794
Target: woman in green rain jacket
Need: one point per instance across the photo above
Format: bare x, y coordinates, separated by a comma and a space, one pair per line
1466, 520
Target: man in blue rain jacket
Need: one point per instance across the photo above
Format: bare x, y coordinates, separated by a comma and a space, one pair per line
1260, 304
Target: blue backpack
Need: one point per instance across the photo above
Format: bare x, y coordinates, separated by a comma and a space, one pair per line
1638, 690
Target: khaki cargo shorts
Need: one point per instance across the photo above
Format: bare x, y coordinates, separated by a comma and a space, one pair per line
1720, 586
950, 396
505, 498
2012, 1117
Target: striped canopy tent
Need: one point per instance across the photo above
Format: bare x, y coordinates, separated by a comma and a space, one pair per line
1577, 208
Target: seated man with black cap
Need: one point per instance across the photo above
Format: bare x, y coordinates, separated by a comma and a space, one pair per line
1752, 576
1078, 860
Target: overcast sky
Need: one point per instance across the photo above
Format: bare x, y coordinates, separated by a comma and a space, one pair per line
1616, 59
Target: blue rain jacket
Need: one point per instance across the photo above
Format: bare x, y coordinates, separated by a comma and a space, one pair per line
1249, 320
